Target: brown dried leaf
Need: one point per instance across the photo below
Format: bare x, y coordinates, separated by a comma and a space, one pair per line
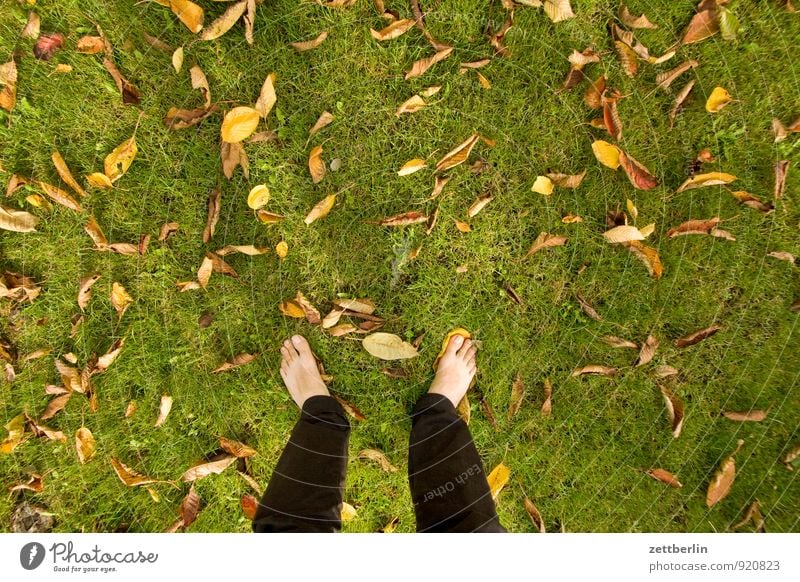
84, 444
536, 517
378, 457
618, 342
130, 93
395, 29
749, 416
674, 411
60, 197
205, 469
55, 406
627, 58
422, 65
458, 155
587, 308
720, 484
517, 395
321, 208
594, 369
324, 119
703, 25
235, 448
225, 21
267, 98
188, 12
648, 351
213, 214
665, 79
249, 506
648, 255
120, 299
349, 408
546, 240
404, 219
411, 105
105, 361
235, 362
65, 174
547, 405
665, 477
697, 336
594, 93
307, 45
164, 409
479, 204
316, 165
17, 220
781, 168
632, 21
130, 477
639, 176
680, 101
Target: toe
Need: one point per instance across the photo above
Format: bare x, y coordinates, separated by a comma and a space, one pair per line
470, 355
462, 353
301, 345
455, 343
287, 354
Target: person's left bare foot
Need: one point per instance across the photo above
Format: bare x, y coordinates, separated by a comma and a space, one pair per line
299, 370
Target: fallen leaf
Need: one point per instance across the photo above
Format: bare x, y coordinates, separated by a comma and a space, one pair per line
205, 469
421, 66
627, 58
47, 44
8, 79
387, 346
225, 22
703, 25
290, 308
753, 514
363, 306
546, 240
239, 123
648, 255
120, 299
311, 313
411, 105
35, 483
567, 180
177, 59
403, 219
84, 444
674, 411
709, 179
16, 433
235, 362
60, 197
167, 230
497, 479
720, 484
592, 96
665, 79
55, 406
479, 204
190, 507
648, 351
412, 166
749, 416
547, 404
258, 197
639, 176
618, 342
32, 27
533, 513
395, 29
249, 506
99, 180
249, 250
233, 155
632, 21
307, 45
594, 369
607, 154
378, 457
316, 166
542, 185
718, 99
267, 98
665, 477
164, 409
781, 169
200, 82
517, 395
189, 13
130, 477
213, 214
321, 209
282, 249
783, 256
120, 159
17, 220
65, 174
235, 448
458, 155
348, 512
349, 408
250, 22
697, 336
680, 101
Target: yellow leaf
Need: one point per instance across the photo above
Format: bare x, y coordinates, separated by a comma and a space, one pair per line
394, 30
709, 179
282, 249
459, 331
258, 197
189, 13
412, 166
99, 180
623, 233
177, 59
497, 479
65, 174
290, 308
120, 159
84, 444
321, 209
239, 123
411, 105
388, 346
348, 511
60, 197
457, 155
16, 430
718, 99
163, 410
315, 164
267, 98
225, 22
543, 185
606, 153
310, 44
120, 298
269, 217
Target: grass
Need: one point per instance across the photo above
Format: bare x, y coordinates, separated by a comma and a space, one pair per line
582, 466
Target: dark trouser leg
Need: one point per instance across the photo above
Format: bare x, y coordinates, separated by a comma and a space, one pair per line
448, 483
305, 492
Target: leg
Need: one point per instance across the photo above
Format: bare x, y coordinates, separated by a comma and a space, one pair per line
448, 483
305, 492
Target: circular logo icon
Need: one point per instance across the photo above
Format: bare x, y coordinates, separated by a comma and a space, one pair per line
31, 555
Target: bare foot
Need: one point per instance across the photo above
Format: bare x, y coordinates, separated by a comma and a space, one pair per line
299, 370
456, 370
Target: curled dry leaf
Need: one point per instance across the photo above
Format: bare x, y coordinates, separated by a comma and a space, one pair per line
533, 513
32, 27
130, 94
84, 444
233, 155
567, 180
593, 95
235, 448
749, 416
388, 346
120, 299
55, 406
627, 58
213, 214
188, 12
164, 409
99, 180
718, 99
639, 176
587, 308
546, 240
65, 174
307, 45
517, 395
412, 166
622, 234
167, 230
105, 361
479, 204
349, 408
411, 105
594, 369
205, 469
697, 336
60, 197
703, 25
225, 22
632, 21
324, 120
130, 477
781, 168
665, 79
694, 227
665, 477
316, 165
190, 507
419, 67
267, 98
497, 479
310, 312
378, 457
783, 256
249, 506
648, 351
321, 208
238, 124
680, 101
648, 255
404, 219
753, 514
674, 411
709, 179
547, 404
395, 29
235, 362
618, 342
720, 484
457, 155
177, 59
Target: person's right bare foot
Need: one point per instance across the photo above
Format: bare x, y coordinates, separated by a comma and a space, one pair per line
299, 370
456, 369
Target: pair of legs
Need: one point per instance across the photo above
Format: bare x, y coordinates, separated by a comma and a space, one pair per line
448, 483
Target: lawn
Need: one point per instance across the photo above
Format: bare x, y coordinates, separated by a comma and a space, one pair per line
584, 466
